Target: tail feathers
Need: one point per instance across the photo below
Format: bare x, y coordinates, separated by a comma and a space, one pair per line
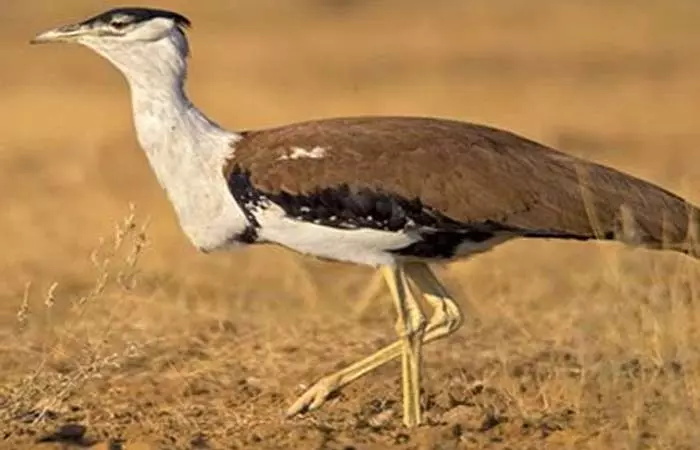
683, 240
679, 234
690, 246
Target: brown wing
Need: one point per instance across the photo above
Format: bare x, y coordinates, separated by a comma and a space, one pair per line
468, 172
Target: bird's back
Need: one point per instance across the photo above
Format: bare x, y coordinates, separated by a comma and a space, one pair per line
469, 173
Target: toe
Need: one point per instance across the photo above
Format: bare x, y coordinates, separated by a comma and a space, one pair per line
299, 406
318, 400
313, 398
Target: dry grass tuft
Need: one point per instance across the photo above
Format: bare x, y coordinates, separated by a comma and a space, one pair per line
69, 347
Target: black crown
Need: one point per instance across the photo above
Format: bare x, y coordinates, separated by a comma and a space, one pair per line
136, 15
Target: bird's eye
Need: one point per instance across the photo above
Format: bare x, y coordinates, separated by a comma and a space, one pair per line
118, 24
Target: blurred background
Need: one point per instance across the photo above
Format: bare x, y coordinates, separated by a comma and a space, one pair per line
616, 81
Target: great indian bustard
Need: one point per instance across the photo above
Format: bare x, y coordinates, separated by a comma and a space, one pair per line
390, 192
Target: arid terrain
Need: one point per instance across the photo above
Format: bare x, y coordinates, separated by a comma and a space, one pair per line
111, 321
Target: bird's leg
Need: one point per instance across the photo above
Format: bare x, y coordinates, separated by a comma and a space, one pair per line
410, 326
447, 317
445, 320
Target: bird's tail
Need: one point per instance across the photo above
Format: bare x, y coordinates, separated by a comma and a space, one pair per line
674, 235
679, 237
689, 246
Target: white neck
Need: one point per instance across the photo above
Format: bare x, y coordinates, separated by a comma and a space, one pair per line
186, 150
175, 135
156, 72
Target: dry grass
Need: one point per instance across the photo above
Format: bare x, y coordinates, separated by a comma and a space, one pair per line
584, 346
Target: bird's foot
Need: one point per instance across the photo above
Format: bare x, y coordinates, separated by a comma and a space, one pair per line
315, 396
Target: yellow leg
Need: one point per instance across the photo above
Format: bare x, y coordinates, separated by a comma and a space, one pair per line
410, 326
445, 320
447, 317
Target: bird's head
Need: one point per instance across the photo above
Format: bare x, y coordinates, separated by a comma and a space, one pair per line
133, 39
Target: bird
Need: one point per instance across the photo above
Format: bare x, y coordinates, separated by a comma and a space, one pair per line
396, 193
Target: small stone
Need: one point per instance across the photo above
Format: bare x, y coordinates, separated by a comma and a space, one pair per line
381, 419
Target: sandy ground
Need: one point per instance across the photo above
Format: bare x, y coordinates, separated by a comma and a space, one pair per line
124, 329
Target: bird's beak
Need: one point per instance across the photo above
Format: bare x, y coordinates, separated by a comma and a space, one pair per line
66, 33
